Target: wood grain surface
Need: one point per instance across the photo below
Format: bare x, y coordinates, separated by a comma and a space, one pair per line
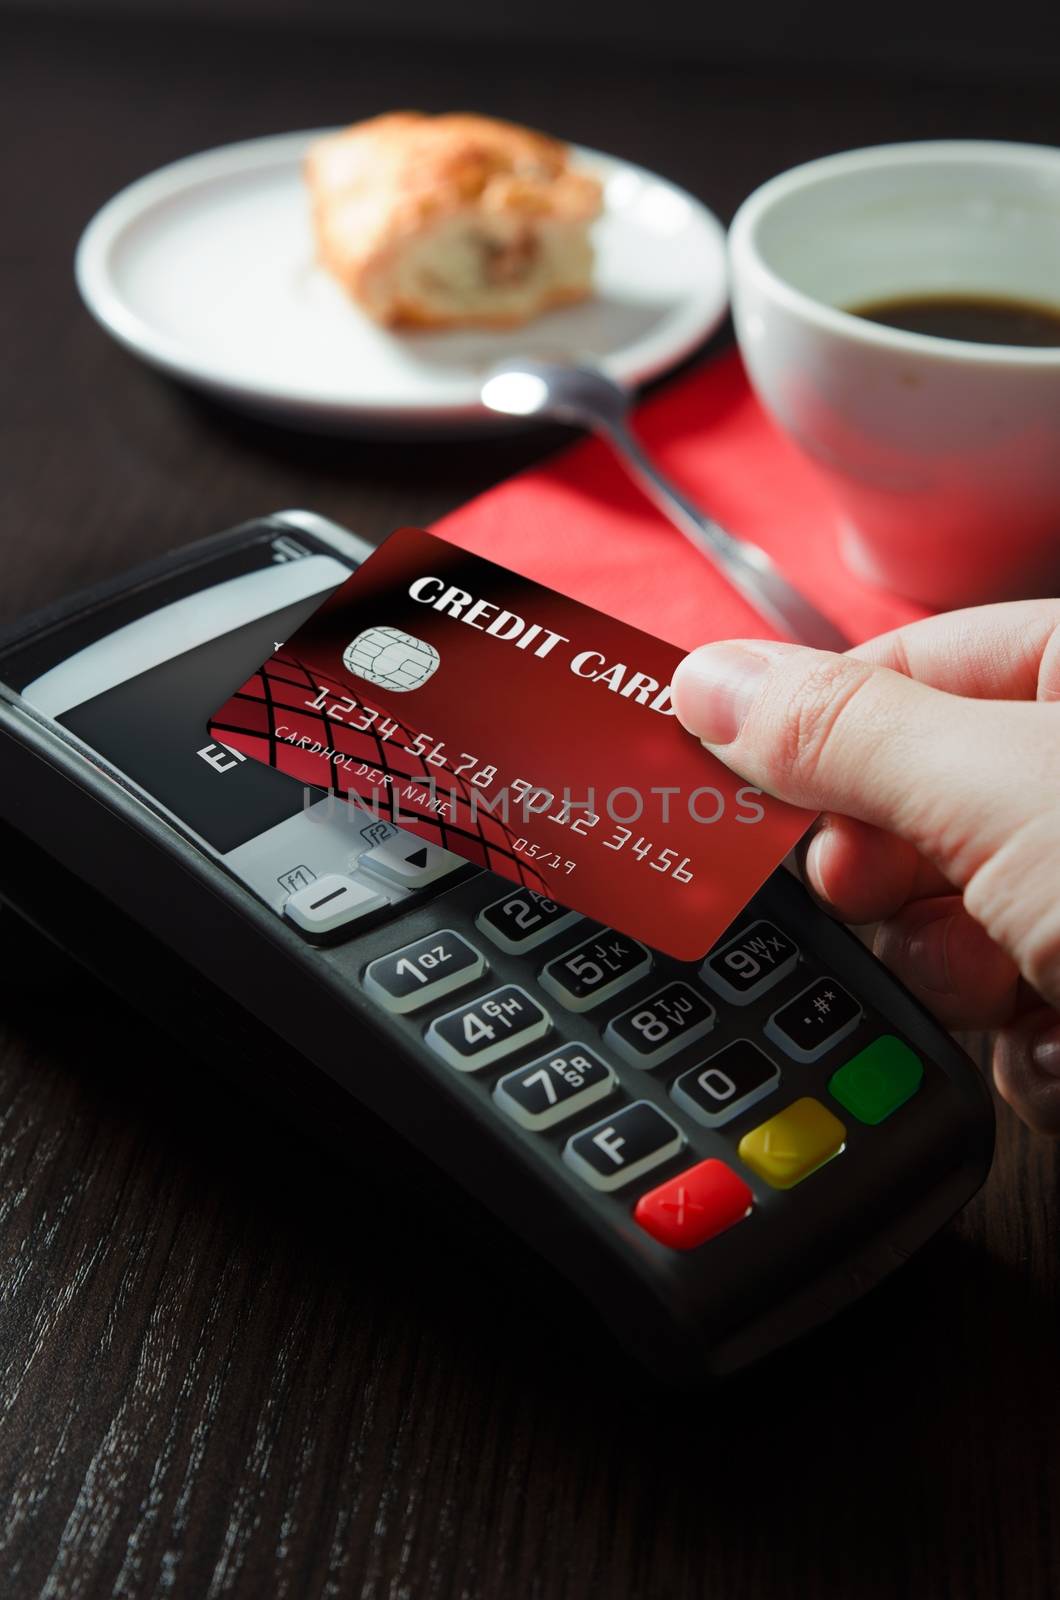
235, 1363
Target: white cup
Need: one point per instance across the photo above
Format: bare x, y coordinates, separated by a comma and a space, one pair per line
944, 455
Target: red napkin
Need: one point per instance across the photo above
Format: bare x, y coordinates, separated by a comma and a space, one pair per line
580, 525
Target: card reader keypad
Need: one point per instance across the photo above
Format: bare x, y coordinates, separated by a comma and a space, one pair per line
687, 1096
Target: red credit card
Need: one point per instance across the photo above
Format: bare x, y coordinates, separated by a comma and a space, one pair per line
522, 730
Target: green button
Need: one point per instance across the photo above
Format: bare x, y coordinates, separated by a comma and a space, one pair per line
878, 1080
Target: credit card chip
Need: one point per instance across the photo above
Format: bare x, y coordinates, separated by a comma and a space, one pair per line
390, 658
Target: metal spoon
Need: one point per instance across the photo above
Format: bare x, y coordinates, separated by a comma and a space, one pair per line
588, 398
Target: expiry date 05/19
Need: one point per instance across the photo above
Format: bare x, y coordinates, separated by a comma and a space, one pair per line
643, 849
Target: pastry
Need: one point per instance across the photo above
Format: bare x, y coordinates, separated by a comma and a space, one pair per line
451, 221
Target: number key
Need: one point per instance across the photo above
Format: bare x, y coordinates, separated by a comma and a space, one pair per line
759, 956
732, 1081
658, 1027
486, 1029
413, 976
595, 970
555, 1087
523, 920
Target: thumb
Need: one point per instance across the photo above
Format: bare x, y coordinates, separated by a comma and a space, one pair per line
956, 777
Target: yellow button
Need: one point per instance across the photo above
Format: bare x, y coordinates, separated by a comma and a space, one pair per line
793, 1144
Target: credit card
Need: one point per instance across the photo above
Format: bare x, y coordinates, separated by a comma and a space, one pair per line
520, 729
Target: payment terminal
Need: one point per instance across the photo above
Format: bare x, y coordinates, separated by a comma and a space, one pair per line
719, 1154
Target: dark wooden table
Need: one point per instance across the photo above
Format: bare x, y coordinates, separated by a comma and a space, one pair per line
231, 1366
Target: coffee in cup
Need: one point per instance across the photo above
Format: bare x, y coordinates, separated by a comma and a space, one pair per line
859, 283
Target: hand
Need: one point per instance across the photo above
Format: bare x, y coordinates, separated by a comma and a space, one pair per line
934, 752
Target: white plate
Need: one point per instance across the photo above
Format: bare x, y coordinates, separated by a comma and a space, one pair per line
205, 269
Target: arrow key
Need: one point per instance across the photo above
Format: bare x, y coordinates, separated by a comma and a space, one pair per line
403, 859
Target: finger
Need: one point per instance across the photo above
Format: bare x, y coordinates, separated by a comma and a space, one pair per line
950, 963
1001, 652
955, 777
862, 874
1026, 1064
859, 872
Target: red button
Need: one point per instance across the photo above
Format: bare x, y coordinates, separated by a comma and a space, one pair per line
694, 1206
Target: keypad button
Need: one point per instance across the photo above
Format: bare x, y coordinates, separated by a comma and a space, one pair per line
695, 1206
878, 1080
624, 1146
595, 970
330, 903
554, 1087
523, 919
414, 976
814, 1021
666, 1022
794, 1143
409, 862
487, 1029
726, 1084
746, 966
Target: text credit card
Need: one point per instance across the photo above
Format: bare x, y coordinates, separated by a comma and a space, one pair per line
520, 729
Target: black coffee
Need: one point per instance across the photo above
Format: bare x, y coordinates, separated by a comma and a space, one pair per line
983, 319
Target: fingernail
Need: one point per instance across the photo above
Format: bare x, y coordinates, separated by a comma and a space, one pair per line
928, 954
714, 687
816, 855
1045, 1052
